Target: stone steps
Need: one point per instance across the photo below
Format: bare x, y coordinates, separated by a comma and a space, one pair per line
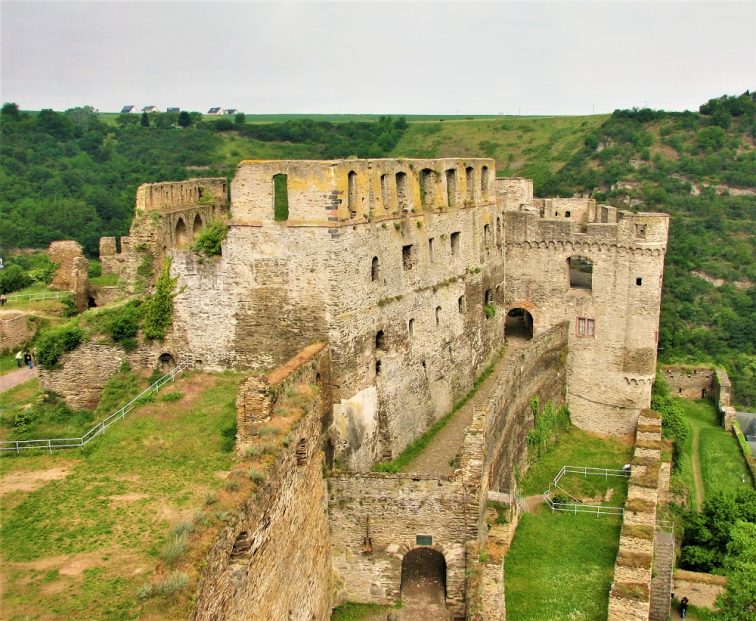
661, 582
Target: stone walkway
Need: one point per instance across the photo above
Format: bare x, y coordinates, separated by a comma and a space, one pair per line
661, 581
14, 378
438, 458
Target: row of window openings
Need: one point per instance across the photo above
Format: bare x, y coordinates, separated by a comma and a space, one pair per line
581, 273
427, 189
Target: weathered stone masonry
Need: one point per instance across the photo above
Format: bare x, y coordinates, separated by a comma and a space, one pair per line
406, 270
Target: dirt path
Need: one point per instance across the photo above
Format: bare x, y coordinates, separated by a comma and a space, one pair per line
19, 376
695, 458
438, 457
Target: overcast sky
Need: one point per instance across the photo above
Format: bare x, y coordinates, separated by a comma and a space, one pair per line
559, 57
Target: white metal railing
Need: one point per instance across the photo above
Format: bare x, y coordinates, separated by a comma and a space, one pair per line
51, 444
53, 295
578, 506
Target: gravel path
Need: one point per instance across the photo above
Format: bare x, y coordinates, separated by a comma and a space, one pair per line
19, 376
438, 458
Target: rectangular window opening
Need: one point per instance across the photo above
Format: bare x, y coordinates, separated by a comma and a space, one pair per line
455, 243
408, 257
430, 248
639, 281
280, 198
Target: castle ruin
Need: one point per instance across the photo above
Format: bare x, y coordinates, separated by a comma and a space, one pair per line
411, 274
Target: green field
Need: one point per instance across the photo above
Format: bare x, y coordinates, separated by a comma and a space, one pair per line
83, 530
520, 145
722, 465
560, 566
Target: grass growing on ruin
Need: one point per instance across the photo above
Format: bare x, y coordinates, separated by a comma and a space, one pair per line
722, 465
351, 611
577, 448
560, 566
83, 530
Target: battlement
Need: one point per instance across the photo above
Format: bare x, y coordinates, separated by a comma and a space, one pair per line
327, 192
181, 194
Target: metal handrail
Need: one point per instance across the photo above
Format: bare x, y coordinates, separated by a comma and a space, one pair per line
99, 428
38, 296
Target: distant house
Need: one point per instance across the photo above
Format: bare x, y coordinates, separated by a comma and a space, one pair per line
215, 111
129, 110
231, 111
150, 109
173, 110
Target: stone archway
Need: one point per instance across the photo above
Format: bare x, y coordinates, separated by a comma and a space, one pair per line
166, 362
423, 585
518, 325
181, 234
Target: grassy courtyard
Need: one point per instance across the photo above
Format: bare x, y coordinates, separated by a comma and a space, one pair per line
82, 531
560, 566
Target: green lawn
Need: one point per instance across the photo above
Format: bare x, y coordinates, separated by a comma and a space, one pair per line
560, 566
576, 448
722, 465
88, 529
8, 362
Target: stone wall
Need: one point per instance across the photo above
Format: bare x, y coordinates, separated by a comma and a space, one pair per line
72, 273
83, 372
285, 570
701, 589
16, 330
629, 598
689, 382
613, 314
375, 521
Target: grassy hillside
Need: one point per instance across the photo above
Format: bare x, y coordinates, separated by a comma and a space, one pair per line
74, 175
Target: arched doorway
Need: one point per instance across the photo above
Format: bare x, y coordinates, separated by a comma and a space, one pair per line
518, 325
182, 235
424, 580
197, 226
166, 362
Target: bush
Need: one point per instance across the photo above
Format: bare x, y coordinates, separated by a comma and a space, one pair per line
124, 325
94, 269
210, 238
174, 583
168, 397
674, 424
13, 278
158, 314
52, 344
548, 423
69, 307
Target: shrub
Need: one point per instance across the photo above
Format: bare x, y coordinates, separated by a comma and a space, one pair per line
211, 498
124, 325
230, 485
255, 476
175, 582
13, 278
158, 314
210, 238
174, 549
94, 269
548, 423
52, 344
171, 396
489, 310
69, 307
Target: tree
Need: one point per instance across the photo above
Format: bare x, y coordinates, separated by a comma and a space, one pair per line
184, 119
10, 111
124, 120
240, 118
145, 121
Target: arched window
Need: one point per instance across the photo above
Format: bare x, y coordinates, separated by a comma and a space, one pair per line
438, 315
470, 184
375, 269
461, 304
427, 187
411, 327
182, 235
451, 187
402, 192
580, 273
385, 194
280, 197
380, 340
484, 181
352, 193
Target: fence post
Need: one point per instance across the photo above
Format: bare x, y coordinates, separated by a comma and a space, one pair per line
49, 445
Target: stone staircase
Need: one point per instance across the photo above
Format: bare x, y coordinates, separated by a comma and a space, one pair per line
661, 581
